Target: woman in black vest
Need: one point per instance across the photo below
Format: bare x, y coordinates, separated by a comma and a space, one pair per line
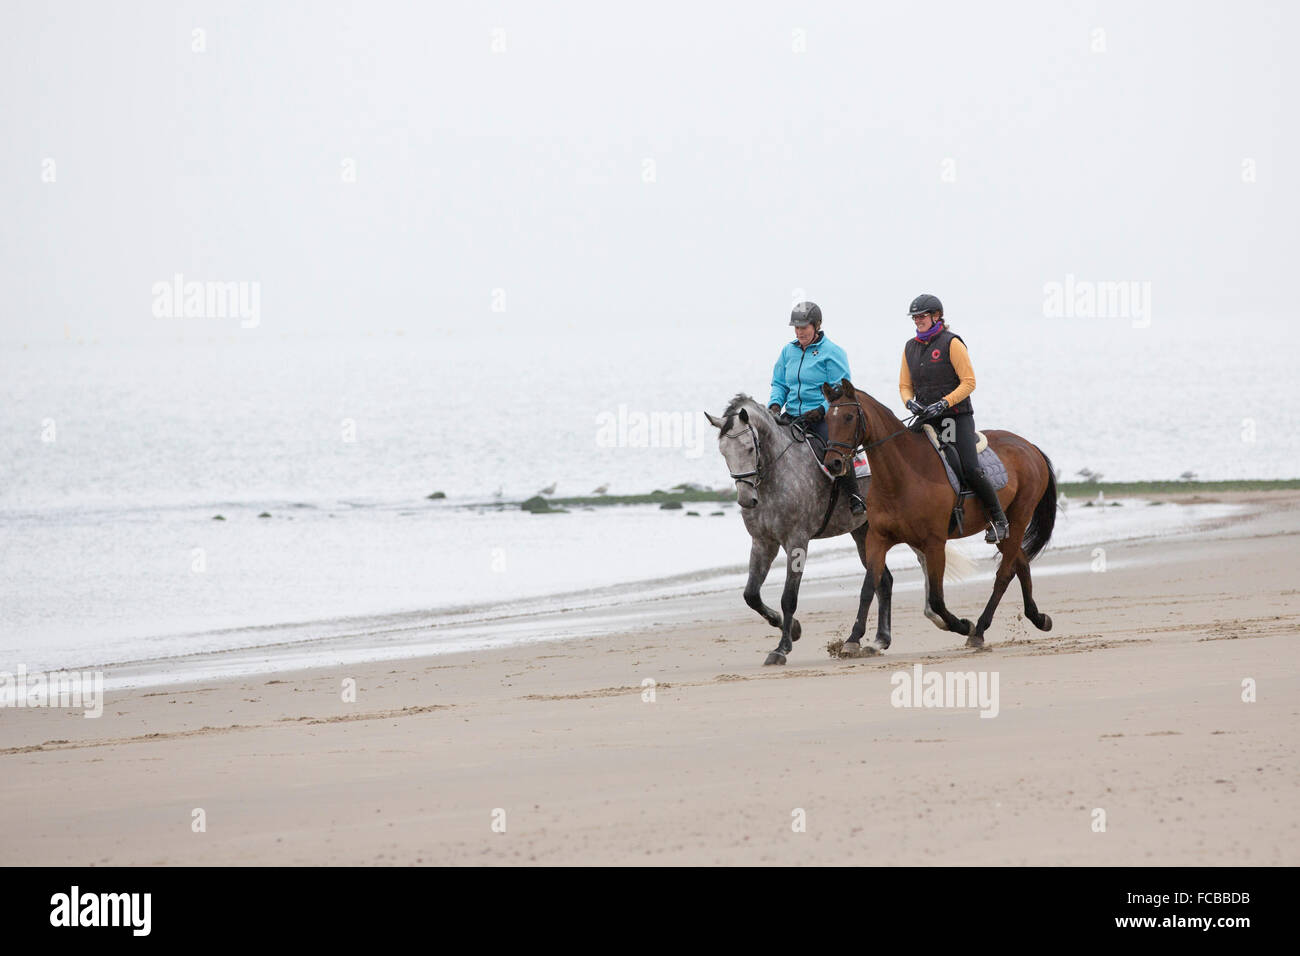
935, 382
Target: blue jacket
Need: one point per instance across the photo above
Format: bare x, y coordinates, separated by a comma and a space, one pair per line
800, 373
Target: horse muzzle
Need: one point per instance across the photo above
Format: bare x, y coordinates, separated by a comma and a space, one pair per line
835, 466
746, 494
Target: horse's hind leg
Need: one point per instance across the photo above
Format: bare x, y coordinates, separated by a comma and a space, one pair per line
761, 555
1013, 563
1006, 570
1036, 617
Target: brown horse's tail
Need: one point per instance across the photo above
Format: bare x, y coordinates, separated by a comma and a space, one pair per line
1039, 531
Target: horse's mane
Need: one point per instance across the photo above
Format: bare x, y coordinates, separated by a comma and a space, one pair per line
884, 410
738, 401
837, 392
742, 401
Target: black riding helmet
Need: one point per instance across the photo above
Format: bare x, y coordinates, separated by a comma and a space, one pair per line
925, 303
806, 312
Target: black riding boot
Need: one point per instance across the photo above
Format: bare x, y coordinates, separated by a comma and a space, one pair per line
980, 483
849, 488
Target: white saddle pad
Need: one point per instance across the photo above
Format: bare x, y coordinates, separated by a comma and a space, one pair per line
981, 442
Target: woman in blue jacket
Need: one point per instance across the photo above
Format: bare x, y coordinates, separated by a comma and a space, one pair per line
803, 366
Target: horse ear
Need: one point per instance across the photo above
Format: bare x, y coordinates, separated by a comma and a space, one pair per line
828, 391
715, 422
848, 387
744, 416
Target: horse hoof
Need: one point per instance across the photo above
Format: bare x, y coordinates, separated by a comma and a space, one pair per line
774, 658
795, 629
871, 650
1047, 623
966, 627
974, 641
851, 649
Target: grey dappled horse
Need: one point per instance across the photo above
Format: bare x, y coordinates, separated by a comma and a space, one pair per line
783, 495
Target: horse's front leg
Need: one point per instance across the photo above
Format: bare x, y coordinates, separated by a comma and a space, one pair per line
761, 554
796, 553
933, 559
876, 581
885, 599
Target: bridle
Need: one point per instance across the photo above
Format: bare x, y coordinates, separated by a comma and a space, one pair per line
861, 427
757, 473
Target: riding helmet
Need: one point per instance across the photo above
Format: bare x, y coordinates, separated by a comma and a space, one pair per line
925, 303
804, 313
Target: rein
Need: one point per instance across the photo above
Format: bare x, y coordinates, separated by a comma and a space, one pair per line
862, 426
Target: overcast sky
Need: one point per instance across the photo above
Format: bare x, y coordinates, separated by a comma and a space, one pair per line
860, 152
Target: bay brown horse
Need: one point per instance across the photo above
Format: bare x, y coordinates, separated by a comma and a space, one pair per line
910, 501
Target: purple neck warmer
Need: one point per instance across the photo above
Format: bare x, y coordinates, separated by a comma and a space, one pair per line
931, 333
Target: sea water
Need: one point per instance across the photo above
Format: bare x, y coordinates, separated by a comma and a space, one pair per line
117, 457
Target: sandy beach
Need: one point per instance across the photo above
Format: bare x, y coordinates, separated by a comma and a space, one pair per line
558, 753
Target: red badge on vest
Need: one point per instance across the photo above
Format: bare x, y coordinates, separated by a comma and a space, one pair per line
934, 356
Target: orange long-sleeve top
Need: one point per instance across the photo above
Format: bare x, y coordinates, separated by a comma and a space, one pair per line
960, 359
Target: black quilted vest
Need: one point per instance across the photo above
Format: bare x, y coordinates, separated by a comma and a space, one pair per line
932, 373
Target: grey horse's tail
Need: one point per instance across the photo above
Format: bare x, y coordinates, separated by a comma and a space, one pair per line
1043, 521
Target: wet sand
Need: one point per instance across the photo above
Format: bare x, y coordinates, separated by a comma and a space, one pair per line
1132, 705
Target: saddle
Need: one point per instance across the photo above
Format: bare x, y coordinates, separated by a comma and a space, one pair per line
994, 470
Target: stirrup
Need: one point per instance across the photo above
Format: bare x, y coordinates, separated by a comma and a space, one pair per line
996, 535
861, 505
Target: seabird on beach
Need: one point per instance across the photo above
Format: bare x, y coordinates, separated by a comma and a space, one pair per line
548, 490
601, 490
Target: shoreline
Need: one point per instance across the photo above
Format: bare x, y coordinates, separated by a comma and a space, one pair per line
1133, 489
546, 617
1132, 704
